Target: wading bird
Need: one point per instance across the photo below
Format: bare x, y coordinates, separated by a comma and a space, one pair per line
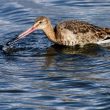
69, 33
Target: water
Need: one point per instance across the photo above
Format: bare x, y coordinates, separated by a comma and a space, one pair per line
39, 76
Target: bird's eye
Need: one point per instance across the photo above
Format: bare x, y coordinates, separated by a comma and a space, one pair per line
40, 22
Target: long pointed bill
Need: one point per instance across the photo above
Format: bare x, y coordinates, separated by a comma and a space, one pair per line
25, 33
22, 35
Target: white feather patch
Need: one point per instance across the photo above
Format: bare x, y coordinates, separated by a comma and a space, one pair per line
104, 43
69, 36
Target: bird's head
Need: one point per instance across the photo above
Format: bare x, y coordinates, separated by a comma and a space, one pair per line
40, 23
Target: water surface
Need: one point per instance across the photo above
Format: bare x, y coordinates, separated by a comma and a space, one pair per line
39, 76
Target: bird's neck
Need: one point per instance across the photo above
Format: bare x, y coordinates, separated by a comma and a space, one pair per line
50, 33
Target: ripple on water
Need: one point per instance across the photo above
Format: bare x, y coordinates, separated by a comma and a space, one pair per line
36, 75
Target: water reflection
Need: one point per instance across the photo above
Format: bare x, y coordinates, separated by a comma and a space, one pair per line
92, 50
55, 53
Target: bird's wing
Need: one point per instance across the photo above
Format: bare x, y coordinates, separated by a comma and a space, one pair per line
83, 27
80, 26
85, 32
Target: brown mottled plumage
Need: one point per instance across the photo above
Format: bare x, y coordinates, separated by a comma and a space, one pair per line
69, 33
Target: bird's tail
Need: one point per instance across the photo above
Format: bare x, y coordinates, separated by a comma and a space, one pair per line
107, 30
106, 41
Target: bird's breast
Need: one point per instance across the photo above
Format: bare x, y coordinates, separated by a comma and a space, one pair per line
67, 37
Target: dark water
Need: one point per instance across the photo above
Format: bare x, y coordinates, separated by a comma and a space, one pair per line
39, 76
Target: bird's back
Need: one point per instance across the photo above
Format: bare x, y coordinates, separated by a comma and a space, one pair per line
74, 32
